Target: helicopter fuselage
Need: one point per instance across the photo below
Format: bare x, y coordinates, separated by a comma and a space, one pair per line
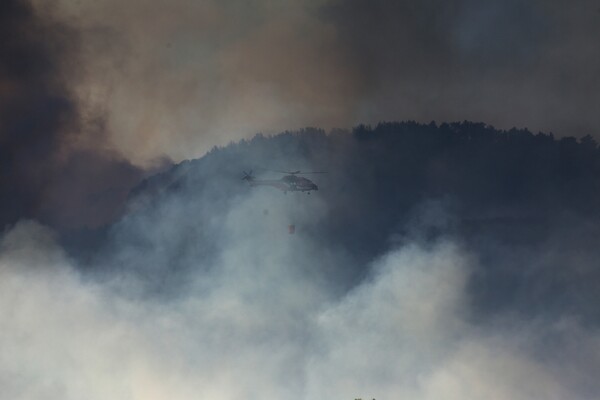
288, 183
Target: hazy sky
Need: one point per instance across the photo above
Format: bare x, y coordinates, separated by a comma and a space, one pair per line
177, 77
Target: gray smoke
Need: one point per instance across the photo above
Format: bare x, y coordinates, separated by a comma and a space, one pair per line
179, 77
201, 292
55, 163
263, 323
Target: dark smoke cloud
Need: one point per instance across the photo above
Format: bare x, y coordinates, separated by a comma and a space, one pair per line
47, 171
179, 77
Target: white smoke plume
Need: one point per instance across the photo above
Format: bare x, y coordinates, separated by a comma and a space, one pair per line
266, 321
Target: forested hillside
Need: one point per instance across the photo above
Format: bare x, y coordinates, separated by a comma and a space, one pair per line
525, 205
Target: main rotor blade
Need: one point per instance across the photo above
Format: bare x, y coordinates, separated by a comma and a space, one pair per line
300, 172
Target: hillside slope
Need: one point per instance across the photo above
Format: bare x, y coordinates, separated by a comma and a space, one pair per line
526, 206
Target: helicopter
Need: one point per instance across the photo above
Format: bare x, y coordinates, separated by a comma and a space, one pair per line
290, 182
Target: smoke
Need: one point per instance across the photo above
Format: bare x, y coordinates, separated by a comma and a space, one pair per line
55, 164
503, 62
264, 323
201, 292
179, 77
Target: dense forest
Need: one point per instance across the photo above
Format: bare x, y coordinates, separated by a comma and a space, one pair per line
525, 205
